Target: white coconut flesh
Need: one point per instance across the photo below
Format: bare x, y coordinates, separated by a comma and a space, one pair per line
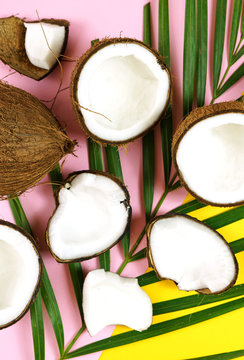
191, 254
90, 218
19, 273
39, 39
210, 158
125, 83
109, 299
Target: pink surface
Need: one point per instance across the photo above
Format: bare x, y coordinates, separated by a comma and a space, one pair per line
89, 20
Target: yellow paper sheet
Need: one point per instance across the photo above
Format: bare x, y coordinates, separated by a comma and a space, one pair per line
221, 334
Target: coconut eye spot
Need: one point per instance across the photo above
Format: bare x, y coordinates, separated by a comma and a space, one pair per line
210, 158
19, 273
191, 254
92, 215
38, 45
127, 87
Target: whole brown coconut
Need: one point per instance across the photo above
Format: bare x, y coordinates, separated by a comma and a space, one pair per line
31, 141
12, 46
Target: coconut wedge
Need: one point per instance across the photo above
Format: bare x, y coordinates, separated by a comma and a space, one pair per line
109, 299
23, 45
31, 141
92, 215
190, 253
208, 153
120, 89
20, 273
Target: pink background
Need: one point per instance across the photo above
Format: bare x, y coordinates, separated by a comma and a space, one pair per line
90, 20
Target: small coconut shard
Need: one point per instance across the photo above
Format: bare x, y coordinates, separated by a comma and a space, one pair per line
109, 299
208, 153
25, 48
31, 141
190, 253
93, 214
120, 89
20, 273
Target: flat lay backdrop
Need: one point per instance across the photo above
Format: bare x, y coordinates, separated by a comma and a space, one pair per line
91, 19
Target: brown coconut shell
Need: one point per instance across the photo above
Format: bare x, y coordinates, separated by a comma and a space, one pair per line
31, 141
12, 46
38, 284
69, 179
75, 78
197, 115
152, 264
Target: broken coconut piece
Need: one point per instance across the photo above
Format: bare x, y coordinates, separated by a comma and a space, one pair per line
38, 45
110, 299
20, 273
189, 252
31, 141
92, 215
24, 48
120, 89
208, 153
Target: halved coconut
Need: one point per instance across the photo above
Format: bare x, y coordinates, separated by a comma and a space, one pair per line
189, 252
20, 272
92, 215
208, 153
110, 299
120, 89
23, 45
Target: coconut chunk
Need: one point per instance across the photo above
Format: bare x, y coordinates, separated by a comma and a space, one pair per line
126, 86
38, 45
20, 272
109, 299
209, 154
92, 215
190, 253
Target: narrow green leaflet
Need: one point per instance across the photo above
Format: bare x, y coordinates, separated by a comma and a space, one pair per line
95, 156
38, 328
189, 56
236, 76
238, 55
201, 50
219, 35
74, 268
237, 245
163, 31
114, 167
158, 329
147, 25
166, 125
148, 139
47, 292
188, 302
223, 356
188, 207
77, 277
51, 305
236, 17
56, 178
226, 218
139, 255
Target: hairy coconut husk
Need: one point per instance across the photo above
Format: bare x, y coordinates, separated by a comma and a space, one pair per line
31, 141
75, 78
12, 46
197, 115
